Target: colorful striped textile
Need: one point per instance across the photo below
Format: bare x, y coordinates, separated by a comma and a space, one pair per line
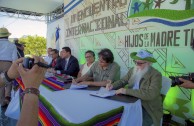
48, 116
50, 83
62, 76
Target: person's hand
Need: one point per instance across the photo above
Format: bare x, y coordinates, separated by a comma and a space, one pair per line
77, 81
109, 86
84, 83
53, 71
13, 70
121, 91
74, 81
186, 83
50, 70
32, 78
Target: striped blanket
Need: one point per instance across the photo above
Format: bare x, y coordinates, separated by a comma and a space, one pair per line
48, 116
50, 83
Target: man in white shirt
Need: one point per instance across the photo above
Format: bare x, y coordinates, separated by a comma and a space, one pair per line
48, 58
8, 54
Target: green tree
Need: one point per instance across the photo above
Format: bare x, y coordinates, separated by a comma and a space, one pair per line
34, 45
187, 6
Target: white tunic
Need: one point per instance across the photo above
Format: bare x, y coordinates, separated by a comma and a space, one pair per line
86, 68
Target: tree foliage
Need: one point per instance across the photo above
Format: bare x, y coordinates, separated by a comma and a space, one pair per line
34, 45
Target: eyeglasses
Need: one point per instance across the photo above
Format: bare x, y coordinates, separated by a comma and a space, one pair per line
139, 63
88, 57
102, 61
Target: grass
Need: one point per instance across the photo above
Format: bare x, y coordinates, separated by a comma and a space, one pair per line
168, 14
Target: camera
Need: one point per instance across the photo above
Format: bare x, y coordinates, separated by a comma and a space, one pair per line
176, 81
29, 63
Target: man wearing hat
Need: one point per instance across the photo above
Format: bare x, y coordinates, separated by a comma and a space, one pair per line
8, 54
144, 82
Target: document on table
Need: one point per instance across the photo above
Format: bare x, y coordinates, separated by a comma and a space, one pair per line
102, 92
77, 86
65, 80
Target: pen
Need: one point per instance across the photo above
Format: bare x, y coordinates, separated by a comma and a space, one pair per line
73, 80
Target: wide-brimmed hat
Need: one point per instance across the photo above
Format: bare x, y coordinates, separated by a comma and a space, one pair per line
143, 55
4, 32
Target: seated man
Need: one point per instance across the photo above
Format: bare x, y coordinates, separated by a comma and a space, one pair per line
102, 71
48, 58
90, 58
145, 83
68, 64
55, 55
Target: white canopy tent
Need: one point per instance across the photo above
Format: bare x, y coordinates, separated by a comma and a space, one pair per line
39, 6
29, 7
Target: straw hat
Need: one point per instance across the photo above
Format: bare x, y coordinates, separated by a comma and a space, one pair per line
143, 55
4, 32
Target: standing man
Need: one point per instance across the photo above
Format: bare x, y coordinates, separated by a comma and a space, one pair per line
68, 65
145, 83
8, 54
20, 48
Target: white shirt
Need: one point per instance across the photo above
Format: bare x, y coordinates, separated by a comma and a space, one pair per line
48, 59
138, 108
67, 61
86, 68
8, 50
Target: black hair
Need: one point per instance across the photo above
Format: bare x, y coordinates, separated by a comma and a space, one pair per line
106, 55
55, 50
91, 52
67, 49
16, 40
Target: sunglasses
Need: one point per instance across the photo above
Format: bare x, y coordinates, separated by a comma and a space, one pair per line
139, 63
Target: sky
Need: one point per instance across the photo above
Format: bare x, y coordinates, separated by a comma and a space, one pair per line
20, 27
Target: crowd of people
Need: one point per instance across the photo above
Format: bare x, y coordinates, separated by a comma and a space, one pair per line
142, 81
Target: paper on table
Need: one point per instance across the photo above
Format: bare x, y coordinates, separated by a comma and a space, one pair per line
76, 86
102, 92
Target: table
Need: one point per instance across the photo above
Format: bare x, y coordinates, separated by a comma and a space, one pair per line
77, 106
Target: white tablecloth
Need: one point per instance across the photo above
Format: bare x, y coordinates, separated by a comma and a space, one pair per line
78, 106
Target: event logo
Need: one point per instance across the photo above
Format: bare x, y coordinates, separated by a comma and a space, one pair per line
168, 12
169, 22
